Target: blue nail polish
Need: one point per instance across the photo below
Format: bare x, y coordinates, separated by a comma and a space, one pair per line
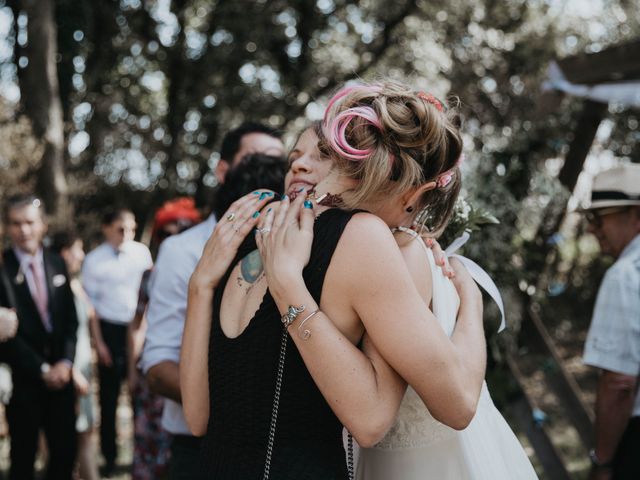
263, 195
285, 197
308, 204
268, 210
256, 192
301, 190
255, 215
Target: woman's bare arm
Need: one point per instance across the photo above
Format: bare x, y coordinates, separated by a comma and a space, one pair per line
217, 256
448, 376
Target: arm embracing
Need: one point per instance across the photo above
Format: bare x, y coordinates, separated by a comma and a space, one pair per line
443, 371
218, 253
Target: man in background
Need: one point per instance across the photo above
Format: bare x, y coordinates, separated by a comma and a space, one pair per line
613, 342
111, 276
166, 312
41, 354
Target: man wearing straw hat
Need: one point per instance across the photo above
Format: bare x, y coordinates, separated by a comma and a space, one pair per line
613, 342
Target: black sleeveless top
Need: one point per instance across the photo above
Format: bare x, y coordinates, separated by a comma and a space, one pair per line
242, 377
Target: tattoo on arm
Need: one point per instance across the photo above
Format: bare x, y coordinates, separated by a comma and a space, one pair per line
250, 269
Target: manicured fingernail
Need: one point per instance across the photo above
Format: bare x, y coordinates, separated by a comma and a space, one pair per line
256, 215
256, 192
264, 195
268, 210
308, 204
285, 197
301, 190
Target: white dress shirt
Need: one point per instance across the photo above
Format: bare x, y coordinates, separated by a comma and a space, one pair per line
613, 341
167, 308
112, 278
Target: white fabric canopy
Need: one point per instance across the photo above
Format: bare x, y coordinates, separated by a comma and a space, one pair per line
624, 93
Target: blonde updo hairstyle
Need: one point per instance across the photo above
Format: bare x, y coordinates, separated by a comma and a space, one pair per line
392, 139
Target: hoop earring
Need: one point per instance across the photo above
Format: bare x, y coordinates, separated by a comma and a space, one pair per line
409, 209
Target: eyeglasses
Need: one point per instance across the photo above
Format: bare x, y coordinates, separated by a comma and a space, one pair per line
594, 217
122, 230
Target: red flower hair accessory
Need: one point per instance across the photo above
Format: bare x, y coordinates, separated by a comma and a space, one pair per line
179, 209
427, 97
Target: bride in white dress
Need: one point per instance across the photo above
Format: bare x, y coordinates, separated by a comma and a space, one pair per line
395, 153
418, 447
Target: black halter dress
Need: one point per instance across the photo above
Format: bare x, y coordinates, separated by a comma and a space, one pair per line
242, 377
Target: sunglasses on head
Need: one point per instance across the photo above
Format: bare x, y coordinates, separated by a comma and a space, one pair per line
594, 217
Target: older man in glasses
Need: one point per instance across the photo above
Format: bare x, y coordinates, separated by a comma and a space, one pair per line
613, 343
111, 276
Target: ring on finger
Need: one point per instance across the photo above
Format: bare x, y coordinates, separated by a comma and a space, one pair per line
263, 230
231, 217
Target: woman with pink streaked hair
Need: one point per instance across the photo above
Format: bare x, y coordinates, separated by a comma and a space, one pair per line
285, 371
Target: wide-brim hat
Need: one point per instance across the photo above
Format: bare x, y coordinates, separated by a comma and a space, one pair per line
617, 187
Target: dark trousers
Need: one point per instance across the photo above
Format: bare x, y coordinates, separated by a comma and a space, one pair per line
627, 461
115, 337
34, 407
185, 458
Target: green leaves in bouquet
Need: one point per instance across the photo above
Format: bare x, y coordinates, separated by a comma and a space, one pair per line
466, 218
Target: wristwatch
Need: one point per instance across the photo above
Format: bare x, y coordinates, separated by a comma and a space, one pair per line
291, 315
596, 463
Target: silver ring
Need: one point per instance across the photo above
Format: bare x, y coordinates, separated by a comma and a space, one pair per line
263, 230
231, 217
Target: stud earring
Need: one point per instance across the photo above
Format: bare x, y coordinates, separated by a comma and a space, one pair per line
409, 209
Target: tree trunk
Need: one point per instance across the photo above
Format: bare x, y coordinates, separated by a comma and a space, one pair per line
39, 90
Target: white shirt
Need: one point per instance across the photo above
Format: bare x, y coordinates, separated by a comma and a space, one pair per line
112, 278
177, 259
613, 341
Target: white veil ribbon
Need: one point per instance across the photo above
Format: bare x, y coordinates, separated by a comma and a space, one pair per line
481, 277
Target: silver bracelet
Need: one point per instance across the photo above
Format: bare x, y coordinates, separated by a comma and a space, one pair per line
305, 334
291, 315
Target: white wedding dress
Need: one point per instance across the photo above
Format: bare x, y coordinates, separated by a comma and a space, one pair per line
418, 447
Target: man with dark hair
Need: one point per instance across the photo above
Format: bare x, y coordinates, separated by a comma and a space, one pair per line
42, 353
250, 137
613, 342
111, 276
175, 263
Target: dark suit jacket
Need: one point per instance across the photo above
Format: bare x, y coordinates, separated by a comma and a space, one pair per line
33, 345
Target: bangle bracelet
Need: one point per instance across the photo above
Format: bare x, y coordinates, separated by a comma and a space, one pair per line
305, 334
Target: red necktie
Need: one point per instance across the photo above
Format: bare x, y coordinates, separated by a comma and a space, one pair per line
39, 293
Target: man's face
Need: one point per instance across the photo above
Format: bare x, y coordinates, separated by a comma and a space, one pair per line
26, 228
251, 143
121, 230
614, 228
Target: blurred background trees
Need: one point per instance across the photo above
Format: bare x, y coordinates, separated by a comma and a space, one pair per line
125, 101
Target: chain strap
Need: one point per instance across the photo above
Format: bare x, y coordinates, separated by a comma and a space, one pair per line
274, 417
350, 468
276, 405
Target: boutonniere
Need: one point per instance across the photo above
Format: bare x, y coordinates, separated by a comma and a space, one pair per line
19, 279
59, 280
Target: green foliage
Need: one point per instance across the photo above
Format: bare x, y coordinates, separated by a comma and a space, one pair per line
148, 88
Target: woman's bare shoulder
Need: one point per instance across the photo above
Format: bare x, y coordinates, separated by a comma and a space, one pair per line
367, 247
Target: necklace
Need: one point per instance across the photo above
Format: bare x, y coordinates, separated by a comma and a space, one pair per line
327, 200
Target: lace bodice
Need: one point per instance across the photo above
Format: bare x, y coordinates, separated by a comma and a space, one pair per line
415, 427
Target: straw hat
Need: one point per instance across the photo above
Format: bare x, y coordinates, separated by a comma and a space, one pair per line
617, 187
